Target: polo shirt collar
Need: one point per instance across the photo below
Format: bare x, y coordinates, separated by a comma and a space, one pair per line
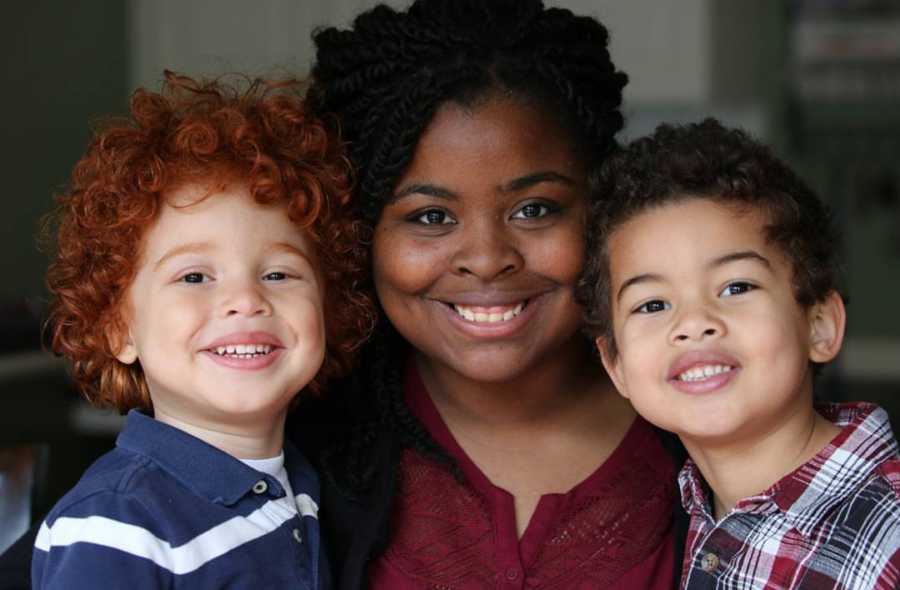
810, 493
199, 466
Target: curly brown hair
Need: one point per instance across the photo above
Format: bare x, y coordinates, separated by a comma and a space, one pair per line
254, 130
708, 161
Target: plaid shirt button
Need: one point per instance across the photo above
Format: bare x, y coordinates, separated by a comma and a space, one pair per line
709, 562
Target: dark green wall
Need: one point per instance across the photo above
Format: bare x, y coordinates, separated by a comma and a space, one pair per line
65, 66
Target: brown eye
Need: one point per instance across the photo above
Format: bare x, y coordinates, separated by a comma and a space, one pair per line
654, 306
535, 211
433, 217
736, 288
532, 210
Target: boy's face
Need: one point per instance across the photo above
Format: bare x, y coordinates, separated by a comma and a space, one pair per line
712, 343
225, 312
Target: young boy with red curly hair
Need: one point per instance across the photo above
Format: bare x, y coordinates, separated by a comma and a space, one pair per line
205, 273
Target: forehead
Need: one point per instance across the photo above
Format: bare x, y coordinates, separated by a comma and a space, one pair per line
220, 212
686, 232
493, 137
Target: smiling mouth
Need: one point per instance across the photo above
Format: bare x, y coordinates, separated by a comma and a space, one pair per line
702, 372
242, 351
488, 315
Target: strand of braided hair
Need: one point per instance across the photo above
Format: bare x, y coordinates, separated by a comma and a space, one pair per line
386, 76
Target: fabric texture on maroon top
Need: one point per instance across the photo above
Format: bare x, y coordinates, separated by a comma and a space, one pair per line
612, 531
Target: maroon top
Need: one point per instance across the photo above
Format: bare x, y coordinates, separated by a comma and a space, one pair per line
611, 531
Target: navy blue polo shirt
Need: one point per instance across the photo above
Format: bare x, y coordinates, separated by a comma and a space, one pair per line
167, 510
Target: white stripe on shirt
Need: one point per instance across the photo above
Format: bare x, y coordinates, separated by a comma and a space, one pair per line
183, 559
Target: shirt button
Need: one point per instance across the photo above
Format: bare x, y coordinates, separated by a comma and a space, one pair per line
297, 536
709, 562
512, 573
260, 487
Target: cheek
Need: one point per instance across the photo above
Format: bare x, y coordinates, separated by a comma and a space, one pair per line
560, 256
638, 367
316, 320
780, 346
401, 264
773, 331
305, 313
640, 357
164, 319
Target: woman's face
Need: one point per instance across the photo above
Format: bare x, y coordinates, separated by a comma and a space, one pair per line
477, 252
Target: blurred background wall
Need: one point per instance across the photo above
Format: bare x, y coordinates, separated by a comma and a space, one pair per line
819, 79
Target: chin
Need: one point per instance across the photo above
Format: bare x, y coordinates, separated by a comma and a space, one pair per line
487, 369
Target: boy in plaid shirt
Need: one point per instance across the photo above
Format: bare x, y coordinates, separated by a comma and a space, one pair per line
711, 290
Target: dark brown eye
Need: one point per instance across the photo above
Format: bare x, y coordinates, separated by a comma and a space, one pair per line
532, 210
536, 210
433, 217
654, 306
736, 288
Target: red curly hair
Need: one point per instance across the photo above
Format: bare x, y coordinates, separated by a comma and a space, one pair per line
258, 131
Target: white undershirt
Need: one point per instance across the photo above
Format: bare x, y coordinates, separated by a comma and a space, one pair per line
274, 466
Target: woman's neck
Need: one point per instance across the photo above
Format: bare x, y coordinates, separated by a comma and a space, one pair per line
541, 433
538, 395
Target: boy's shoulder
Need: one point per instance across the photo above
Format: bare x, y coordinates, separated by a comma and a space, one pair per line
865, 463
890, 472
152, 478
880, 492
871, 507
116, 472
121, 492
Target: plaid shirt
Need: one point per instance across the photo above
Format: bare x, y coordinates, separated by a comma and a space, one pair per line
832, 523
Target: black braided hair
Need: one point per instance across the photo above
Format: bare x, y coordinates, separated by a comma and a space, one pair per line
386, 77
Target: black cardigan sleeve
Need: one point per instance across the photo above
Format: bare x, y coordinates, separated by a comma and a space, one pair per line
15, 563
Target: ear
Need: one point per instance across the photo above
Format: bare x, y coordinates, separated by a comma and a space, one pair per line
827, 320
122, 344
612, 365
127, 354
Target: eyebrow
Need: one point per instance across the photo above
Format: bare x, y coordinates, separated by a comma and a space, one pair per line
751, 255
530, 180
200, 247
289, 248
715, 262
636, 280
192, 248
423, 188
514, 185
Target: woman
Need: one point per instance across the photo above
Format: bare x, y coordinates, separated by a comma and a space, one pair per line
485, 446
479, 444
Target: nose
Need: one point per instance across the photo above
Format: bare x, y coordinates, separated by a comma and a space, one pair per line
696, 324
245, 297
487, 251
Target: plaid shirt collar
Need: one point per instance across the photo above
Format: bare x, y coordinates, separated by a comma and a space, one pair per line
807, 495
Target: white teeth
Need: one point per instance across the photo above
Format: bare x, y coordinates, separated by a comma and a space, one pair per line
243, 350
704, 372
488, 318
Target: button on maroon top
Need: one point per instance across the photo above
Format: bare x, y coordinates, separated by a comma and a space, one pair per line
612, 531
